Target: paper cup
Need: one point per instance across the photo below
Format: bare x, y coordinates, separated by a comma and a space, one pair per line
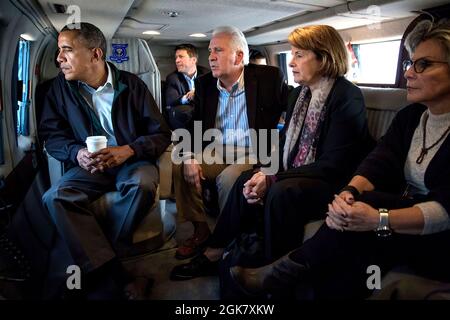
96, 143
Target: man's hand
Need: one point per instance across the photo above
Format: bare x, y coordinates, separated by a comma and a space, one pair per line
84, 158
193, 173
190, 95
111, 157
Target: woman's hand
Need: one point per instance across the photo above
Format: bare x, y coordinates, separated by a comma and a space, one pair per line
358, 216
347, 196
255, 188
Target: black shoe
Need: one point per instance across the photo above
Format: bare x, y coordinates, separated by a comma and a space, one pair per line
200, 266
13, 264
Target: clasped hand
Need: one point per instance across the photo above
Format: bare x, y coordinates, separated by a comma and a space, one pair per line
346, 214
255, 189
105, 158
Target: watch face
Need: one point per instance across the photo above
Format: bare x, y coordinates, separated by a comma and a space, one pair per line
384, 232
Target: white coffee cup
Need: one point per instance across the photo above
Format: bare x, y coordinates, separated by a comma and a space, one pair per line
96, 143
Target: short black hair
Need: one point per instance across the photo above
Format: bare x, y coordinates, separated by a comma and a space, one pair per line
91, 35
255, 54
190, 49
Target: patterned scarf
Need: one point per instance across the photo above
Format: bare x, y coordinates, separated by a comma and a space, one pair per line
304, 128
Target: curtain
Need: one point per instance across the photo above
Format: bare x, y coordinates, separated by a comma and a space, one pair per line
23, 76
282, 63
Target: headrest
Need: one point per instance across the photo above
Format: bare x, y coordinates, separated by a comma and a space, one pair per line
134, 55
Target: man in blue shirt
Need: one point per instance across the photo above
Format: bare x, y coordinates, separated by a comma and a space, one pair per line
232, 99
91, 97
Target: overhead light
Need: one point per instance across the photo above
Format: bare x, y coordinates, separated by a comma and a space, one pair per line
198, 35
27, 37
151, 32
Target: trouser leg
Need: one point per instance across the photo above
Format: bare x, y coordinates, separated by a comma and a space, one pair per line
237, 215
137, 184
189, 200
226, 179
67, 203
289, 205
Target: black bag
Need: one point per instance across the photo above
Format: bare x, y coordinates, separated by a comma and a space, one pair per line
246, 251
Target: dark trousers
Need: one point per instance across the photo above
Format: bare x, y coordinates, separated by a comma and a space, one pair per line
338, 261
289, 204
69, 200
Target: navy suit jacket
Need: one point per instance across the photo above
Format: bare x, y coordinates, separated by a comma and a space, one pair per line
177, 86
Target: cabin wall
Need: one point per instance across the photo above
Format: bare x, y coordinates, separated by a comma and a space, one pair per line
386, 31
12, 26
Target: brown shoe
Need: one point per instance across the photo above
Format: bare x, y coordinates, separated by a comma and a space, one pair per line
192, 246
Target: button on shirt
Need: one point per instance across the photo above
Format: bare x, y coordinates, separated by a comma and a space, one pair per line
231, 118
101, 100
190, 82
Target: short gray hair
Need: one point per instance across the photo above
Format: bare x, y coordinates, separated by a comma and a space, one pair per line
237, 39
427, 30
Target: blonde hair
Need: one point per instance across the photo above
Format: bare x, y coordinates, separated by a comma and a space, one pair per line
328, 46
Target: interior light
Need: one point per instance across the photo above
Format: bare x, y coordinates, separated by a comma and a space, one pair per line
198, 35
151, 32
27, 37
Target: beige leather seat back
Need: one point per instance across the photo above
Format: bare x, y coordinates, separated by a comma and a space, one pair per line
382, 104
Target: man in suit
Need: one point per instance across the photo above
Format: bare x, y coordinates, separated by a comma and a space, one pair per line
92, 97
233, 96
180, 87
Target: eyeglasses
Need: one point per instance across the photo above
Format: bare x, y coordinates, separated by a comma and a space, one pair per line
419, 65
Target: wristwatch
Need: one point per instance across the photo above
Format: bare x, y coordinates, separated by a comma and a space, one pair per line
383, 229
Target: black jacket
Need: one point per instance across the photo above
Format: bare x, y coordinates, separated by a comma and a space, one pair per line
344, 137
176, 86
66, 122
265, 92
384, 166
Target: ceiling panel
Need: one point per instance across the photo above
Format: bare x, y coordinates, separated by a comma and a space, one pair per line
344, 19
263, 21
105, 14
204, 15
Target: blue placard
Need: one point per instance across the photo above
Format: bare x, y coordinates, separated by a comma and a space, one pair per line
119, 52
